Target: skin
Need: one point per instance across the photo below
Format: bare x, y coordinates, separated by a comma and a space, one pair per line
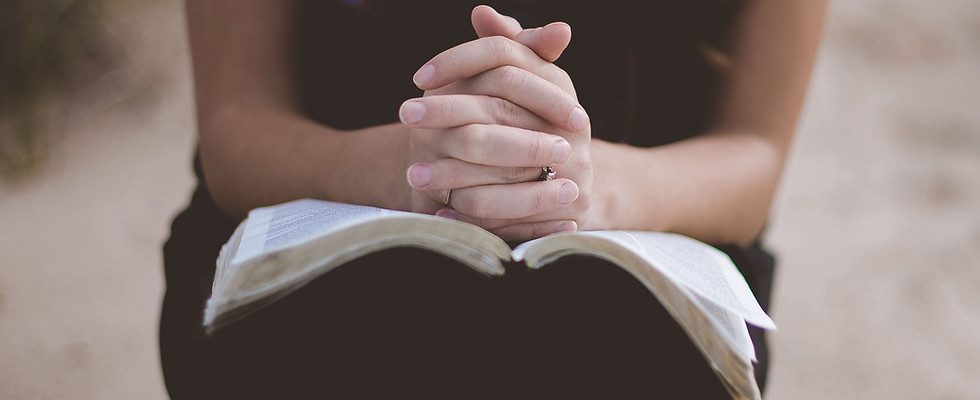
526, 113
500, 92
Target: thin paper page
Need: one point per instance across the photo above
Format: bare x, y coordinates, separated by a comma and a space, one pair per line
703, 269
280, 226
732, 326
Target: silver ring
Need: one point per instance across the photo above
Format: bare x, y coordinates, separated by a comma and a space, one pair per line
547, 174
449, 195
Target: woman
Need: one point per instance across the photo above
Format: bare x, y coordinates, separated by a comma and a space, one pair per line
674, 120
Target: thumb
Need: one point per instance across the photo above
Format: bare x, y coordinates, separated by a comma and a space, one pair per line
547, 42
488, 22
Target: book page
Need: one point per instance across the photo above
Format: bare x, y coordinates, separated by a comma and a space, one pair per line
280, 248
696, 283
277, 227
704, 270
733, 327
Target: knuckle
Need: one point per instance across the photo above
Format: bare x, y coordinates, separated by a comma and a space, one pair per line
449, 107
501, 48
517, 233
543, 200
504, 112
514, 174
472, 142
539, 151
558, 76
562, 103
451, 59
513, 232
468, 204
452, 174
563, 75
562, 79
509, 77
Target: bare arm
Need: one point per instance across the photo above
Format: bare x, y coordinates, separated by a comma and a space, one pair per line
716, 187
255, 147
719, 186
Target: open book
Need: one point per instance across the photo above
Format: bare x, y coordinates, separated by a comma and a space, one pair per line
279, 248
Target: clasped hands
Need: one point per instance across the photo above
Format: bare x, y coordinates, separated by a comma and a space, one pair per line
494, 112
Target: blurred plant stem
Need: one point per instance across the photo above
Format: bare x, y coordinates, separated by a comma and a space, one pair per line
46, 48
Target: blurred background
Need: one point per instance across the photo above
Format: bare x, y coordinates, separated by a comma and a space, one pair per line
876, 226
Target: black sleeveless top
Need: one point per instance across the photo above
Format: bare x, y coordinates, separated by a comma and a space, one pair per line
638, 69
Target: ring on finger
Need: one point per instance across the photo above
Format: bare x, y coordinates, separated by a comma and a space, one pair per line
547, 174
449, 195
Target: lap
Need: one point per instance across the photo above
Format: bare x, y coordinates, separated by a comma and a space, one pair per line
407, 321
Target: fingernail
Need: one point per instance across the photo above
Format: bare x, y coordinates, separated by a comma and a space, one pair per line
567, 193
419, 175
446, 213
424, 75
412, 112
579, 120
569, 226
563, 150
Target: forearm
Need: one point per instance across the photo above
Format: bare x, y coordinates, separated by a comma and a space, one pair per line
717, 188
255, 148
255, 157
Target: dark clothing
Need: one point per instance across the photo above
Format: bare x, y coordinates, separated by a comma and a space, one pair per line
637, 66
409, 322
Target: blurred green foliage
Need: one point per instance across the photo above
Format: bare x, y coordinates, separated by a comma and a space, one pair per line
47, 49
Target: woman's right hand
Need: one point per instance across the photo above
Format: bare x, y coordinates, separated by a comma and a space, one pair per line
494, 115
465, 141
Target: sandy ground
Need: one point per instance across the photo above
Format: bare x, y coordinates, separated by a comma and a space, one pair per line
877, 224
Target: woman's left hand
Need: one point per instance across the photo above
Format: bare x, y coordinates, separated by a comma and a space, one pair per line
529, 93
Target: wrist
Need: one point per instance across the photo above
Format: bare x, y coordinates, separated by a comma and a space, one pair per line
379, 153
623, 196
604, 200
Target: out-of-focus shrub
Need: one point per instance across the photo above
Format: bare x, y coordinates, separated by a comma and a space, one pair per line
48, 48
